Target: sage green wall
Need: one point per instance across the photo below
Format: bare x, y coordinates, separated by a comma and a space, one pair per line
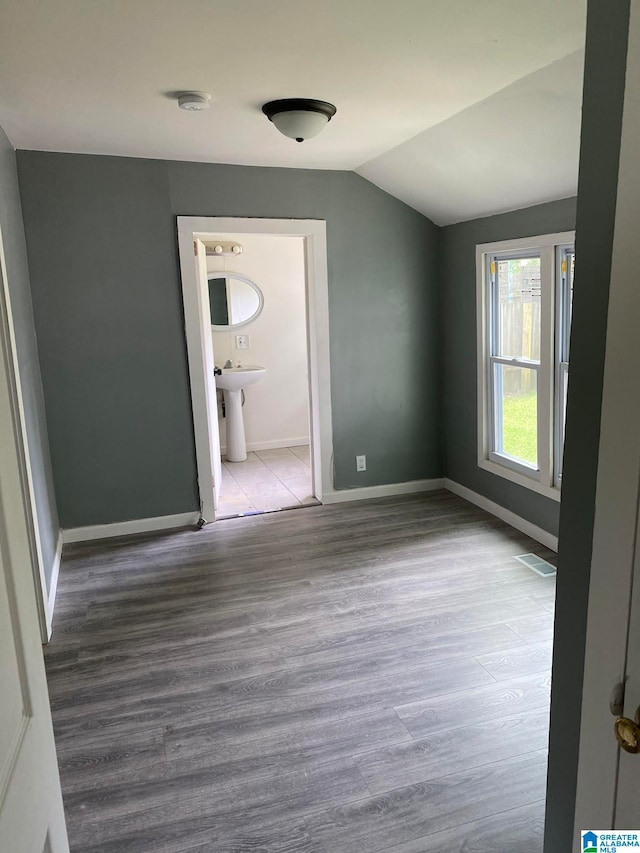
459, 356
15, 254
101, 236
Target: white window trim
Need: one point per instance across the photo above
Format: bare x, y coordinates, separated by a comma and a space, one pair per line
563, 330
542, 480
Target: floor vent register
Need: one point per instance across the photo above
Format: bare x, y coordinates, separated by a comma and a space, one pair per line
537, 565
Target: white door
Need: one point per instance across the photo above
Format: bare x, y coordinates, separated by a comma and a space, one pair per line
608, 793
627, 801
197, 312
37, 561
209, 365
31, 812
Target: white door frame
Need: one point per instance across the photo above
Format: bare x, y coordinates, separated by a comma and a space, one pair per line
31, 808
314, 234
45, 600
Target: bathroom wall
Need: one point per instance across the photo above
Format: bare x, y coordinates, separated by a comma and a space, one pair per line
276, 410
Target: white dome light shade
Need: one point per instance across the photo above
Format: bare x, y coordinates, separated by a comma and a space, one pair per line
300, 125
299, 118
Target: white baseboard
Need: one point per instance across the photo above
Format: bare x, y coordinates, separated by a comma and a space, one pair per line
127, 528
171, 522
276, 444
500, 512
55, 572
53, 585
388, 490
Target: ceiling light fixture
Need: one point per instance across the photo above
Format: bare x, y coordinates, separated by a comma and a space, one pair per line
299, 118
194, 101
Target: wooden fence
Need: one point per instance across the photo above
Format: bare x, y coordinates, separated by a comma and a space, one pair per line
520, 330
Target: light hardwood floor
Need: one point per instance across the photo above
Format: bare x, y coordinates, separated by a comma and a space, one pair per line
341, 679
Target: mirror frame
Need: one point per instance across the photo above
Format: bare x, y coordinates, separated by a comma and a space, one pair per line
251, 283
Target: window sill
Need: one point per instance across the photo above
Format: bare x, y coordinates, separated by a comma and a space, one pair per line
552, 492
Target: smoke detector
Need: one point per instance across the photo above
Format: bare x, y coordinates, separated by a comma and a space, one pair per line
194, 101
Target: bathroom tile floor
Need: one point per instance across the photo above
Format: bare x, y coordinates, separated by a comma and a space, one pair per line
268, 480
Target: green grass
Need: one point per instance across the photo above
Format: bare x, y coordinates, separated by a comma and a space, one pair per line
519, 427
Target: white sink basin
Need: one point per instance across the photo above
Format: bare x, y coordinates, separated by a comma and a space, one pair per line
237, 378
232, 381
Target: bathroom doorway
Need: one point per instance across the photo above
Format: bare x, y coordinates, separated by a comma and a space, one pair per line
257, 300
256, 321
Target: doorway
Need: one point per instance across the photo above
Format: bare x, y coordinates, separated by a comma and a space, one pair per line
237, 444
257, 300
45, 587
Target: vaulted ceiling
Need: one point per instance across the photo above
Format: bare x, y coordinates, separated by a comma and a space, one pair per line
460, 108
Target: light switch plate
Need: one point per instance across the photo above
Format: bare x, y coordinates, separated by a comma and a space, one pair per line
242, 341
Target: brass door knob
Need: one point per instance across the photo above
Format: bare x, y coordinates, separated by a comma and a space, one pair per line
628, 735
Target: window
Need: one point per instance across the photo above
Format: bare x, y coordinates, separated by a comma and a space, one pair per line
525, 290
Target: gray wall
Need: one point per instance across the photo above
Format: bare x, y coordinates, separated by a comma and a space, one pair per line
19, 292
459, 377
605, 67
107, 303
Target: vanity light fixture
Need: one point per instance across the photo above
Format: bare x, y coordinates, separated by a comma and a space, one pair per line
194, 101
223, 248
299, 118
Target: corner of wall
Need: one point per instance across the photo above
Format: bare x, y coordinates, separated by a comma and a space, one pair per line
53, 584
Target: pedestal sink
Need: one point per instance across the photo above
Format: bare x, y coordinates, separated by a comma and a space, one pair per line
232, 380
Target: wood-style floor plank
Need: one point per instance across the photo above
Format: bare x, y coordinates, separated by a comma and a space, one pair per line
371, 677
516, 831
182, 802
200, 747
476, 705
522, 660
537, 629
405, 814
452, 750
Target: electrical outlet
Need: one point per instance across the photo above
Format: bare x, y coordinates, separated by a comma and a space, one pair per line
242, 341
361, 463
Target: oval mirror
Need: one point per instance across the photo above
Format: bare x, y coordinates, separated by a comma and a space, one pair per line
234, 300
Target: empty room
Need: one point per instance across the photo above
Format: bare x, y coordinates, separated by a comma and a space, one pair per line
320, 458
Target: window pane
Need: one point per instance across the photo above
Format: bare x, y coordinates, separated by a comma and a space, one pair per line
517, 304
516, 413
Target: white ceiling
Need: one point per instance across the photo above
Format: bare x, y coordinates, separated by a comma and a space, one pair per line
518, 147
413, 81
